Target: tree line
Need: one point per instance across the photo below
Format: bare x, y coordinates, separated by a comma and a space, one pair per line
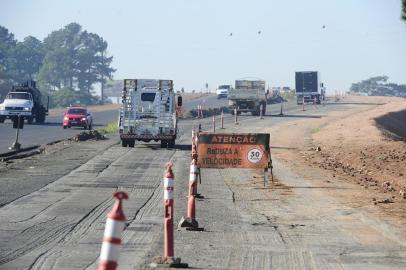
378, 86
67, 64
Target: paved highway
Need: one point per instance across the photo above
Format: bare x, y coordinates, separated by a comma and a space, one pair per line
52, 129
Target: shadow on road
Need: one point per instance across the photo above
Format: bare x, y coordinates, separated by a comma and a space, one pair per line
183, 147
289, 187
283, 147
353, 103
295, 116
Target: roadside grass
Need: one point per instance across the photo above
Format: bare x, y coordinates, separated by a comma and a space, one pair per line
315, 130
289, 95
111, 127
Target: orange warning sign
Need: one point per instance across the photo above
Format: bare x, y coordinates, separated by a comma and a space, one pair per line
233, 150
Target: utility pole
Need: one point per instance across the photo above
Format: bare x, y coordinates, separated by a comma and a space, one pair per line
102, 80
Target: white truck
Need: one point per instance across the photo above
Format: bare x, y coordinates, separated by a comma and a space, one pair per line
149, 112
248, 96
222, 91
24, 100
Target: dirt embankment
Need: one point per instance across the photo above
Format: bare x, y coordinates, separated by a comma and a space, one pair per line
356, 147
393, 123
351, 144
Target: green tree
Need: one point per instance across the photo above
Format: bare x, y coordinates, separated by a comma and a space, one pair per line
378, 86
28, 56
404, 10
94, 65
7, 44
67, 96
59, 65
75, 59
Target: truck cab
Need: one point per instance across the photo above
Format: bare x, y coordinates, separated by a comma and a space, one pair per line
16, 103
222, 91
24, 100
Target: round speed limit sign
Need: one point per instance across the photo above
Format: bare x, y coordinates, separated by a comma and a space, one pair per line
254, 155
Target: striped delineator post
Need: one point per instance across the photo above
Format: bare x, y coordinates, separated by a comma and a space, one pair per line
222, 119
281, 113
168, 204
191, 207
168, 260
112, 234
261, 115
200, 111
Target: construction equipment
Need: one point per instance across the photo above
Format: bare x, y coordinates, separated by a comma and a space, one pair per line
247, 96
24, 100
148, 112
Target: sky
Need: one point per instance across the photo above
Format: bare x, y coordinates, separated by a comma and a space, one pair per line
189, 41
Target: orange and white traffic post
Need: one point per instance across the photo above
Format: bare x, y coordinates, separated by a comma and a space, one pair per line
112, 234
168, 204
169, 253
190, 221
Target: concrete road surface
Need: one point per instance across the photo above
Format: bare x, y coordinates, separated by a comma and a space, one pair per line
58, 222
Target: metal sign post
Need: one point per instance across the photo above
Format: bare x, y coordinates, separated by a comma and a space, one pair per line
16, 145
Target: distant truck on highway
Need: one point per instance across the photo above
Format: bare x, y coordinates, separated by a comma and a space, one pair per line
248, 96
308, 87
222, 91
149, 112
24, 100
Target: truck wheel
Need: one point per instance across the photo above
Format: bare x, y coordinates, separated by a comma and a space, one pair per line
164, 143
232, 111
40, 119
263, 108
30, 120
2, 118
171, 144
131, 143
124, 143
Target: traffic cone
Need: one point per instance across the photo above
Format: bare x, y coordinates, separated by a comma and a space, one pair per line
112, 234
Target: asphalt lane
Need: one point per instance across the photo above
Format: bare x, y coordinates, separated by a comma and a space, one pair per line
52, 129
